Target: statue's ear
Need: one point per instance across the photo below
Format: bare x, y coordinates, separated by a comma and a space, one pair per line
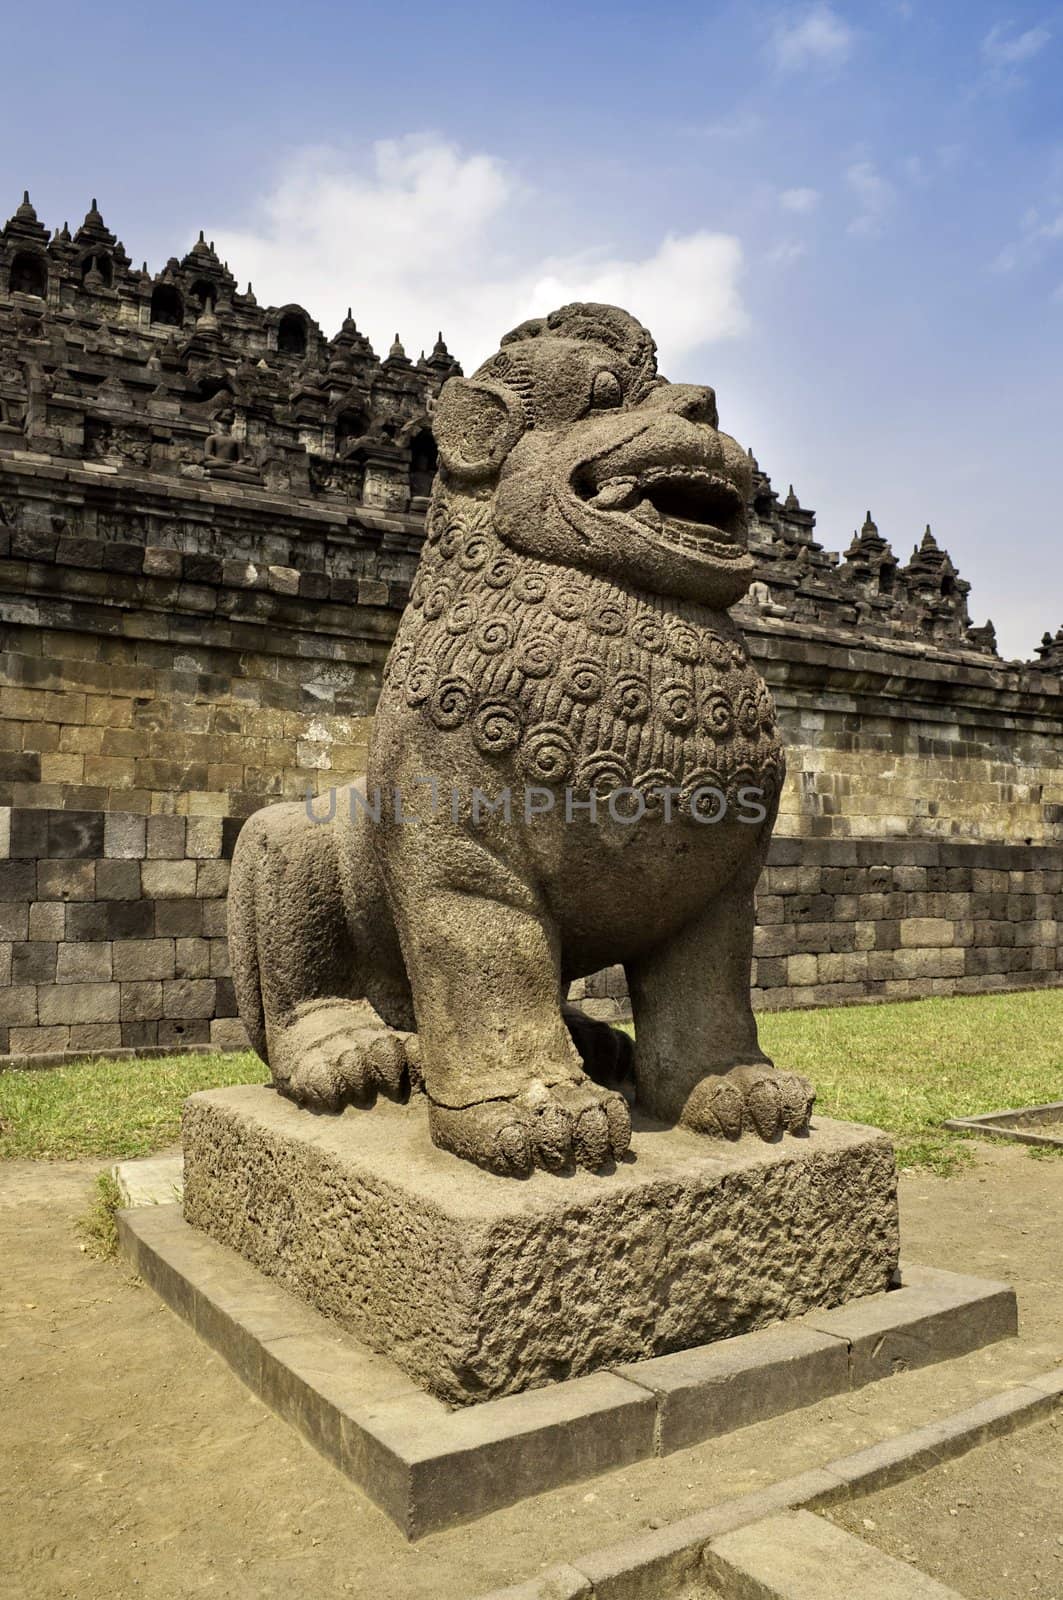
476, 424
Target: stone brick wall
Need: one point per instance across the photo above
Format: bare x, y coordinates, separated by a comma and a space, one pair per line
112, 931
845, 921
142, 671
919, 847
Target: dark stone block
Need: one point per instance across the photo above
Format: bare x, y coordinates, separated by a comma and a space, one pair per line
79, 552
33, 544
178, 918
120, 557
29, 834
18, 880
313, 586
19, 766
344, 591
75, 834
111, 919
226, 1001
34, 962
230, 832
140, 1035
202, 568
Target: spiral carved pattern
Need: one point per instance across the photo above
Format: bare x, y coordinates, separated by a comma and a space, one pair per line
496, 729
580, 680
452, 702
584, 680
548, 755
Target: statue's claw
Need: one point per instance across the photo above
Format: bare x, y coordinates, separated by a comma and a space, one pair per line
755, 1098
339, 1054
570, 1124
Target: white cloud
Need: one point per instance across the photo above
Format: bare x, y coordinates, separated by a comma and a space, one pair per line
738, 125
418, 237
786, 252
800, 200
1037, 232
1002, 48
814, 36
876, 197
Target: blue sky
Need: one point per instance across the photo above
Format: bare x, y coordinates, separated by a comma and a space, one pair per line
849, 218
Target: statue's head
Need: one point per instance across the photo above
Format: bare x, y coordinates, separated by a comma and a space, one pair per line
594, 461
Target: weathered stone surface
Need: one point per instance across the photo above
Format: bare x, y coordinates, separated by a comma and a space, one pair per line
798, 1556
479, 1288
426, 1467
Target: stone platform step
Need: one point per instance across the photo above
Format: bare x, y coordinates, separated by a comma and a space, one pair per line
428, 1466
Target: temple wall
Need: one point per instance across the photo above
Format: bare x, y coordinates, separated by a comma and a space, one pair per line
153, 693
919, 848
210, 517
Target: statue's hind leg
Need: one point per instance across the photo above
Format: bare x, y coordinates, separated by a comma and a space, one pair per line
319, 980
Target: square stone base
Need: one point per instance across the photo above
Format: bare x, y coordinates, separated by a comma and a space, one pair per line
427, 1466
478, 1286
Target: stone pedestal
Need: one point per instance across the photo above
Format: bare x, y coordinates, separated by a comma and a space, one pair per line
478, 1286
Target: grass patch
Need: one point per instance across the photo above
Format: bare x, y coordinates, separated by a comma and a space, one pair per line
109, 1108
98, 1229
1044, 1152
906, 1068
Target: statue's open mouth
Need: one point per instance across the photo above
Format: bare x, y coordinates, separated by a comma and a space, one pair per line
690, 507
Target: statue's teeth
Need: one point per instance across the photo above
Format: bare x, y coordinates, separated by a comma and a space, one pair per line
613, 493
647, 512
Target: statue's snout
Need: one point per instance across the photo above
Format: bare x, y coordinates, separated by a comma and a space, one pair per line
694, 401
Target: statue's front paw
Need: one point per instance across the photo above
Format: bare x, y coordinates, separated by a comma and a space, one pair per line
569, 1124
754, 1099
340, 1054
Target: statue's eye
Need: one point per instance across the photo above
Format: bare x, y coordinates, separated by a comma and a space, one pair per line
606, 391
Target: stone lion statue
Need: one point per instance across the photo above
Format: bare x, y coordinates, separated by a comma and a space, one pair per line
573, 764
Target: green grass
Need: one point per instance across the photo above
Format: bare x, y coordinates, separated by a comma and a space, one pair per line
904, 1068
109, 1108
98, 1228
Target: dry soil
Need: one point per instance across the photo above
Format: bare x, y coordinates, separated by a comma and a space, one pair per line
136, 1463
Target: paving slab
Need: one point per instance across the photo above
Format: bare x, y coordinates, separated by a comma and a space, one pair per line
894, 1460
797, 1556
150, 1180
711, 1390
933, 1316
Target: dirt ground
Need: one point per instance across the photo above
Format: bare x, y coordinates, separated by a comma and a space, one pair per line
990, 1524
135, 1462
